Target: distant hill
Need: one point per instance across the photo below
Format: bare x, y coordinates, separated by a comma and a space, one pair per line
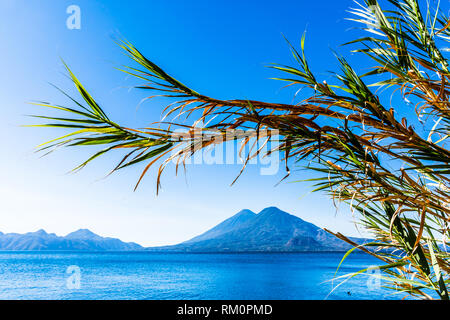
271, 230
81, 240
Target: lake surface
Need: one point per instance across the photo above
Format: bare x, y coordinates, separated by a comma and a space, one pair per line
144, 275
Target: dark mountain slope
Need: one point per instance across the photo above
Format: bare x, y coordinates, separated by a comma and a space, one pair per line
271, 230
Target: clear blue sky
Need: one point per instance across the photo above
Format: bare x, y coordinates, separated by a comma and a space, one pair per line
220, 48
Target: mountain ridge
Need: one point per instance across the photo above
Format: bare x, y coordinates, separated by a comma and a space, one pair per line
271, 230
80, 240
225, 226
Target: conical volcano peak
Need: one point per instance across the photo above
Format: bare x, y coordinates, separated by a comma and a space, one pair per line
273, 211
271, 230
245, 212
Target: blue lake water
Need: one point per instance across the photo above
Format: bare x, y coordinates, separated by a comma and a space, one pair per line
143, 275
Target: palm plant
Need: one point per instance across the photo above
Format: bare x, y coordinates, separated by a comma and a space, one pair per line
393, 174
